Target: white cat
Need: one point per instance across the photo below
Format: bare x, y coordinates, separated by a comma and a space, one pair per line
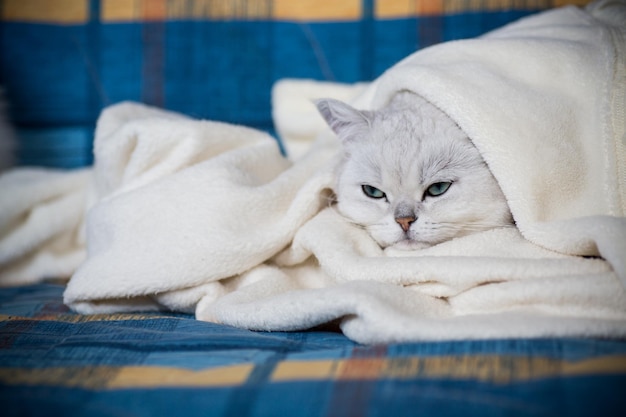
410, 176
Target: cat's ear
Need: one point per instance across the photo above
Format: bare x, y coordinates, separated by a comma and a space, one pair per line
342, 117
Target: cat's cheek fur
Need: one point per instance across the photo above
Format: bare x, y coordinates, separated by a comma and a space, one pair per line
364, 212
386, 234
370, 214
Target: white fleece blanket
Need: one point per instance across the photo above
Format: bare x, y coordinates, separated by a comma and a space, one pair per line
209, 218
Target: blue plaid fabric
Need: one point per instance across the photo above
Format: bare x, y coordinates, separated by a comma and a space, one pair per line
62, 61
54, 362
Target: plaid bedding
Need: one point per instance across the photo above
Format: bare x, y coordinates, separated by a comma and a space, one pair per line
64, 60
54, 362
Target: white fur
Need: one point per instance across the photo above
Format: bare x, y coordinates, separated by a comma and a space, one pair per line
401, 150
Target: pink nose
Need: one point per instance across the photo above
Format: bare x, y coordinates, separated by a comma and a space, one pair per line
405, 222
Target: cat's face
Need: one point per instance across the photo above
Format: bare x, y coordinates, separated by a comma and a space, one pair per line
410, 176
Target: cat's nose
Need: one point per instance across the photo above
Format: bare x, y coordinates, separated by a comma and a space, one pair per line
405, 222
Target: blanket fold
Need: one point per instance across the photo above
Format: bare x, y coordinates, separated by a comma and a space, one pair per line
186, 202
209, 218
41, 224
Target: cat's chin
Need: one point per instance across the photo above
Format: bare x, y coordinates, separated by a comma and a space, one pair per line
408, 245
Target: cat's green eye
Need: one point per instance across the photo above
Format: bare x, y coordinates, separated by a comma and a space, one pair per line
438, 188
372, 192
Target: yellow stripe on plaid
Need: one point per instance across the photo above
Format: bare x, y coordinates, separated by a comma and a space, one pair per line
411, 8
408, 8
110, 377
45, 11
77, 11
309, 10
493, 369
317, 10
496, 369
153, 377
159, 10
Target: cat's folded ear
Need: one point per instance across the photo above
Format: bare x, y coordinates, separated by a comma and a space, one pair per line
343, 119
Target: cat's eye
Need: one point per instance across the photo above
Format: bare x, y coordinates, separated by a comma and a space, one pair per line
372, 192
438, 188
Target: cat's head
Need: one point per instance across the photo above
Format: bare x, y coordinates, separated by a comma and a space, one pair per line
410, 176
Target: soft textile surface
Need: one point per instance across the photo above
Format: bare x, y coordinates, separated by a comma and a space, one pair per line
54, 363
209, 218
41, 224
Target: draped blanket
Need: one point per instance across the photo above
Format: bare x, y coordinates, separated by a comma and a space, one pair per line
209, 218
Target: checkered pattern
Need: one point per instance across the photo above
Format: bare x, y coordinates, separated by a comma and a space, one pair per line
54, 362
64, 60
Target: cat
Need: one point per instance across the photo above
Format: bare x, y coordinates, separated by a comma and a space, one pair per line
410, 176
